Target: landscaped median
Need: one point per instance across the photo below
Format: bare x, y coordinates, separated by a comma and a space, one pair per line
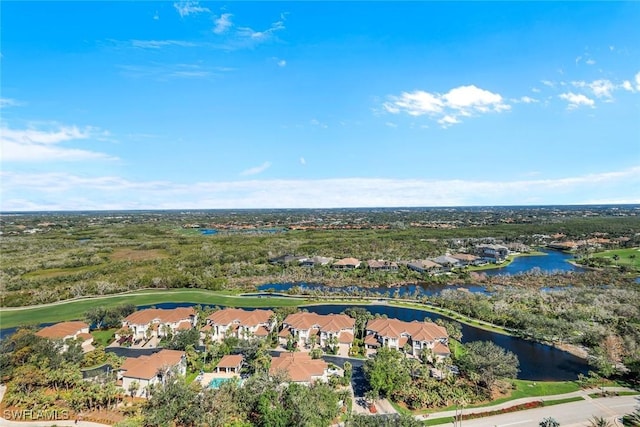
515, 402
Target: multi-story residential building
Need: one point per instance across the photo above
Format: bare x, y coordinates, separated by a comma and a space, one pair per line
158, 323
300, 367
64, 331
492, 252
415, 337
330, 329
146, 371
239, 323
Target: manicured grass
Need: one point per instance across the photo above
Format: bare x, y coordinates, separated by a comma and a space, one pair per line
190, 377
73, 310
438, 421
104, 337
561, 401
629, 257
525, 388
457, 349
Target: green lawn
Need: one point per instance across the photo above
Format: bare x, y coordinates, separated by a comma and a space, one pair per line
524, 388
561, 401
629, 257
104, 337
74, 310
454, 316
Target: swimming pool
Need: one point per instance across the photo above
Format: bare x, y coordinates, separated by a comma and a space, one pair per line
217, 382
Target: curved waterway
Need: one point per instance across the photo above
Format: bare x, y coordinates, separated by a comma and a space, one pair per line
538, 362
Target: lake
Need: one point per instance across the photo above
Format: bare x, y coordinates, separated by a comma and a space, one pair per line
550, 263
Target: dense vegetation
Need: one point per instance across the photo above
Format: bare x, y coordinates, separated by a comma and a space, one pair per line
41, 377
104, 253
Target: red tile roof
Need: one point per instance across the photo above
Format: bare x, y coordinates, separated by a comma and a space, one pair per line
419, 331
345, 338
147, 367
261, 332
144, 317
242, 317
230, 361
299, 366
62, 330
327, 323
185, 325
371, 340
440, 348
348, 262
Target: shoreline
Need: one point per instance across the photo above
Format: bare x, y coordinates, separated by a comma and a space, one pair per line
306, 300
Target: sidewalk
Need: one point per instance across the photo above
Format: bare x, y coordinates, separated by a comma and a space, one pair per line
580, 393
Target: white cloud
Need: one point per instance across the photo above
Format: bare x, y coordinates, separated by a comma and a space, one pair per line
638, 81
602, 88
282, 63
9, 102
446, 109
576, 100
256, 170
34, 145
222, 23
186, 8
159, 44
303, 161
156, 16
626, 85
391, 124
165, 72
447, 121
590, 61
316, 122
527, 100
261, 36
64, 191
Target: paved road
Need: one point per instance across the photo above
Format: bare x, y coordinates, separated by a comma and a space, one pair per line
575, 414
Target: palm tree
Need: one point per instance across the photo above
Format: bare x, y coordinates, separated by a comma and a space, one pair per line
632, 420
599, 422
133, 388
549, 422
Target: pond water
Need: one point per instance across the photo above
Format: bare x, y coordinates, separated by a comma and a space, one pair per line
550, 263
408, 290
538, 362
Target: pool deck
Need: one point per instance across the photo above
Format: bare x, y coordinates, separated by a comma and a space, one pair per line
208, 376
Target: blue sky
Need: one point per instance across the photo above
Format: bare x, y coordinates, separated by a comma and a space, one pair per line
183, 105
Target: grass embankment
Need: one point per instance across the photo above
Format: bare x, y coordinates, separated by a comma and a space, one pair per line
453, 315
73, 310
104, 337
523, 388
